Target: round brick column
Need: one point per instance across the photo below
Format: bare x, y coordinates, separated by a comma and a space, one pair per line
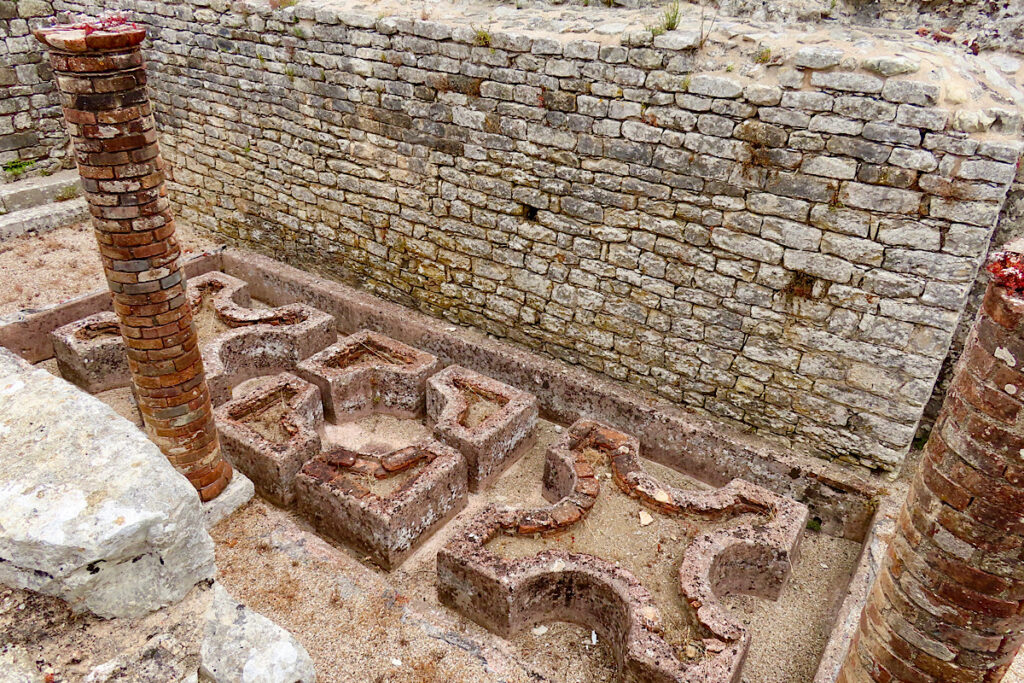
100, 74
947, 604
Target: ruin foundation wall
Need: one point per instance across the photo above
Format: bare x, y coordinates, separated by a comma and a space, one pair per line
790, 253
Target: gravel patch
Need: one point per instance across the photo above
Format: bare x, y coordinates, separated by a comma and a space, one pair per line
42, 270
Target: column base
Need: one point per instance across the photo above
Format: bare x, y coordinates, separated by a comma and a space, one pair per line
238, 492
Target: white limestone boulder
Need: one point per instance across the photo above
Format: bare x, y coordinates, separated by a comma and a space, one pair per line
241, 646
90, 509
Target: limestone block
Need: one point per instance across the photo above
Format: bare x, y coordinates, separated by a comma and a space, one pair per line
241, 646
92, 511
818, 57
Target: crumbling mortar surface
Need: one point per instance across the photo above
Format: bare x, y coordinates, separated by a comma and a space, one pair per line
272, 463
495, 442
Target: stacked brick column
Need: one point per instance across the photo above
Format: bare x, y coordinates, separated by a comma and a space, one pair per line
101, 77
947, 605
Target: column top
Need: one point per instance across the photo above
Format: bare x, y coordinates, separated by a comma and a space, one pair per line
1007, 270
102, 34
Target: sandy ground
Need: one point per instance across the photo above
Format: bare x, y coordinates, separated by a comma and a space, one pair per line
40, 270
208, 323
376, 434
1016, 672
42, 633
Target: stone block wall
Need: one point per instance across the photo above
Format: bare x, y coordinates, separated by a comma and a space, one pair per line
1008, 233
792, 256
32, 136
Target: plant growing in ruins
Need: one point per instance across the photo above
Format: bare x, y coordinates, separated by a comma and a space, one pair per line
646, 116
68, 193
17, 168
281, 4
706, 26
764, 55
835, 203
670, 20
482, 38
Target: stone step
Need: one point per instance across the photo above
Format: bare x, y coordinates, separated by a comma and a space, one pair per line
32, 192
44, 218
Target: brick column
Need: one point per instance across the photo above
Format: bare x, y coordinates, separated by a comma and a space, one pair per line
99, 71
947, 604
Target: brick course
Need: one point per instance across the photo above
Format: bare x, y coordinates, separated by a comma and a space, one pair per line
102, 82
948, 602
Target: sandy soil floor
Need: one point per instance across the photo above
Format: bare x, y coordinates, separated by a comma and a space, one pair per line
1016, 672
45, 635
40, 270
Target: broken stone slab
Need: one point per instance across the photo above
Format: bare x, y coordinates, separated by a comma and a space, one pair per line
29, 193
42, 219
242, 646
93, 512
